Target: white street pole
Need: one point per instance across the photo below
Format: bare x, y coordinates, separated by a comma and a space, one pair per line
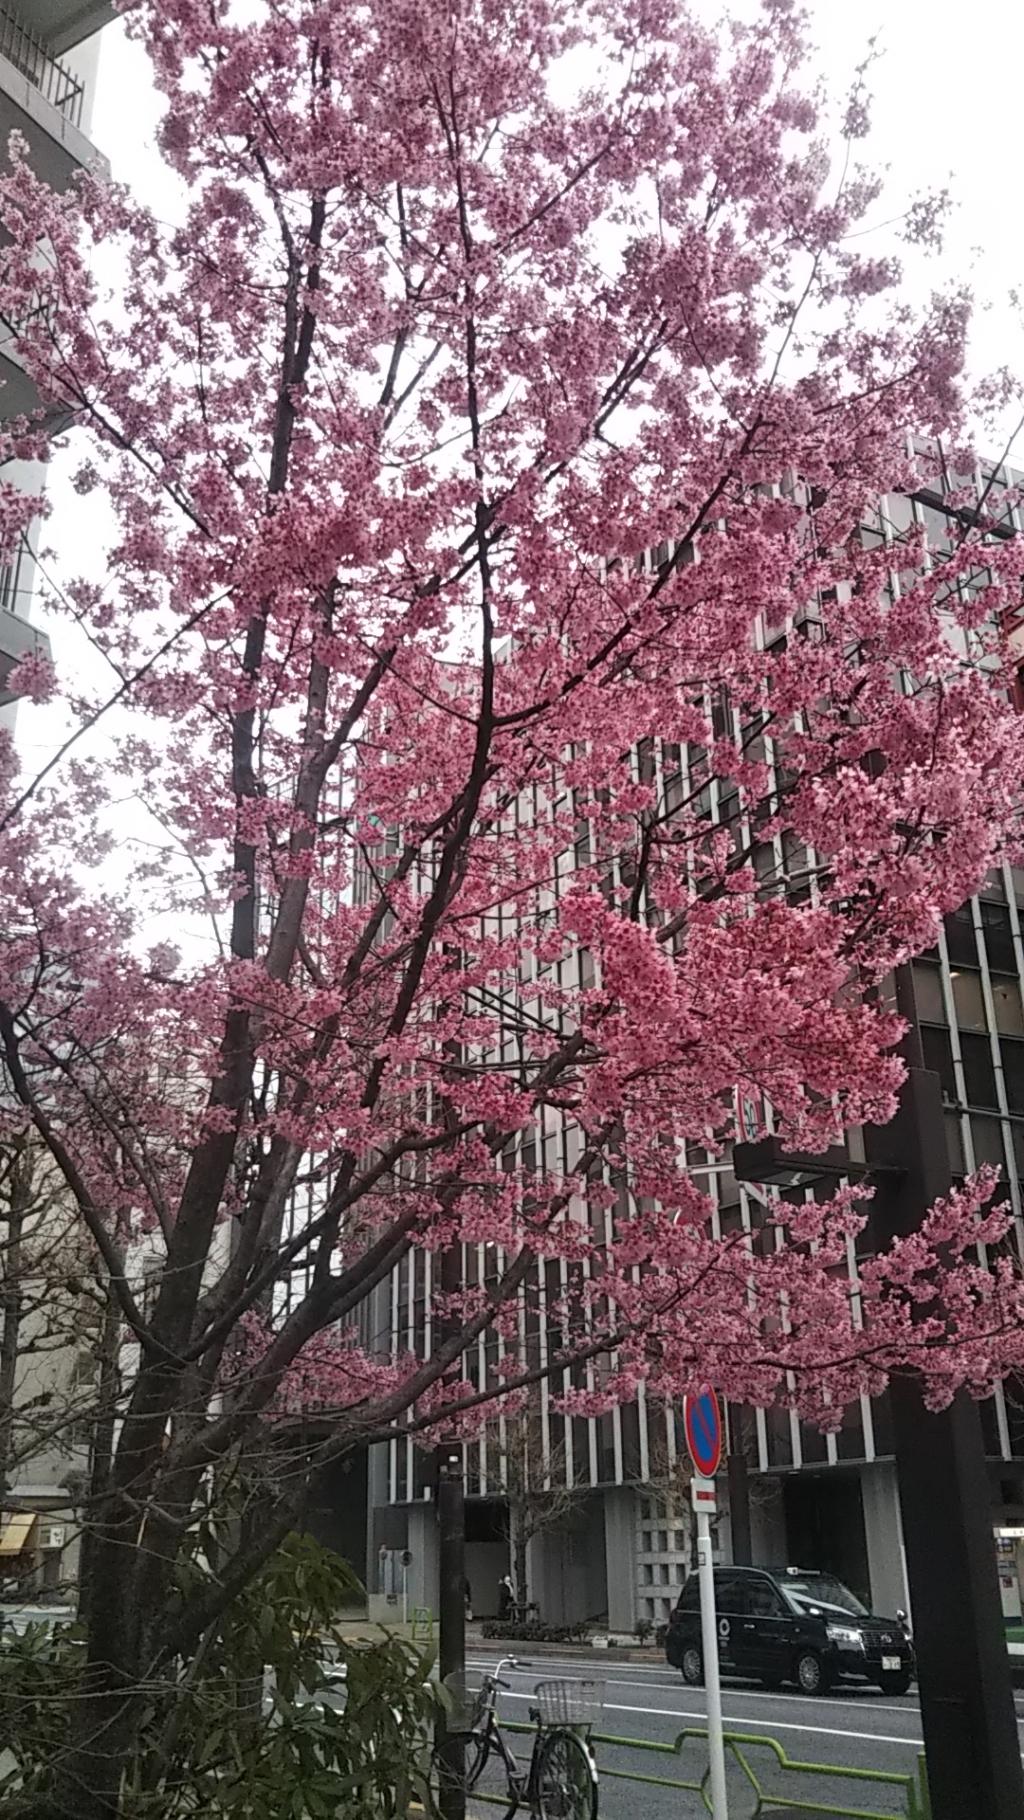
704, 1504
405, 1592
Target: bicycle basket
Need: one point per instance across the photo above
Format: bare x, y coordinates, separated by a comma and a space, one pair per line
569, 1702
467, 1698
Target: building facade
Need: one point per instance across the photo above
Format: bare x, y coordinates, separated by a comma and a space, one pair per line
49, 53
623, 1545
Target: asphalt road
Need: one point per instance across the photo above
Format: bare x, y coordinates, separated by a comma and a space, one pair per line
849, 1728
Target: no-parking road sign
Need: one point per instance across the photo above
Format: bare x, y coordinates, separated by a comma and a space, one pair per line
702, 1422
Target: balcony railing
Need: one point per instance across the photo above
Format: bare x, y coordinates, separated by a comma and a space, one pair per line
45, 71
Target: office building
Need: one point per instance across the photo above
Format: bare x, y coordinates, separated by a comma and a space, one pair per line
623, 1545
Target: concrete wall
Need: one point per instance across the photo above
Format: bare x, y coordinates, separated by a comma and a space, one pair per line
423, 1546
567, 1569
620, 1556
884, 1532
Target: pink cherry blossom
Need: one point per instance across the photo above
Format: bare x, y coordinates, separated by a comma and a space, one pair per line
499, 858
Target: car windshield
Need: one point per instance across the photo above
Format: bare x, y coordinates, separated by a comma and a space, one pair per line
823, 1593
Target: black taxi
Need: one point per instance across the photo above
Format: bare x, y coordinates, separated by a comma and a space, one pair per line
791, 1624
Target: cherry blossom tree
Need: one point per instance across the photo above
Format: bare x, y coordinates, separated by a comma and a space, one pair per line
518, 857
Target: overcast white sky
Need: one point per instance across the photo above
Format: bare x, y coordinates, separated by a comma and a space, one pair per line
947, 89
948, 86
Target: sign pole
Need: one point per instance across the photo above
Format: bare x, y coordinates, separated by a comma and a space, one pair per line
702, 1424
704, 1504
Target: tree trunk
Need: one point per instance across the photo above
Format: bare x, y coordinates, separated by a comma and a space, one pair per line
102, 1448
11, 1301
520, 1538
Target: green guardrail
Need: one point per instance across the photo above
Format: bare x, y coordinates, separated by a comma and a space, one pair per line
909, 1787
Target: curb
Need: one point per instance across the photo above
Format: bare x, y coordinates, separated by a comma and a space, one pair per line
586, 1652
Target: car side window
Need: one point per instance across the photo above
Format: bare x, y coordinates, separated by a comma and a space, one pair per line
762, 1600
689, 1598
728, 1592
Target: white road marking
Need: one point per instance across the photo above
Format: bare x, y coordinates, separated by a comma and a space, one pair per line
536, 1672
537, 1669
783, 1725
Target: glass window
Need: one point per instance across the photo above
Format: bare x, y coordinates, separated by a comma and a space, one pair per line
763, 1601
780, 1437
979, 1072
937, 527
850, 1439
987, 1139
970, 1006
928, 992
807, 1591
938, 1055
1012, 1055
995, 919
898, 512
960, 937
1009, 1012
729, 1592
813, 1446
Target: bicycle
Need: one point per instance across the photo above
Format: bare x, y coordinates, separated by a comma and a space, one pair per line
560, 1782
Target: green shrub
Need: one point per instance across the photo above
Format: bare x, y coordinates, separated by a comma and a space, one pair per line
278, 1718
534, 1632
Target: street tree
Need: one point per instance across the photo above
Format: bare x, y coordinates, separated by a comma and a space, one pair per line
519, 853
534, 1472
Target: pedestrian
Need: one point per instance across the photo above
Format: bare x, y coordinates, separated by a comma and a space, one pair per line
468, 1596
506, 1596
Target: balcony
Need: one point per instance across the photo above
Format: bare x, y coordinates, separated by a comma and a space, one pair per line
42, 96
33, 59
61, 24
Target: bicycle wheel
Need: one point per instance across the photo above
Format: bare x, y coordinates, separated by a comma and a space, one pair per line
477, 1749
566, 1783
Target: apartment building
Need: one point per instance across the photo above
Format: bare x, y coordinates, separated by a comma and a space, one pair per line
49, 51
623, 1544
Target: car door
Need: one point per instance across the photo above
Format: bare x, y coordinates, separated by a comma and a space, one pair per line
762, 1645
728, 1612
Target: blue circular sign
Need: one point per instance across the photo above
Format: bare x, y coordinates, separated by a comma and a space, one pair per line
702, 1422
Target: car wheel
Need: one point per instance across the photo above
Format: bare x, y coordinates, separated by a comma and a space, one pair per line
693, 1666
809, 1672
894, 1684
